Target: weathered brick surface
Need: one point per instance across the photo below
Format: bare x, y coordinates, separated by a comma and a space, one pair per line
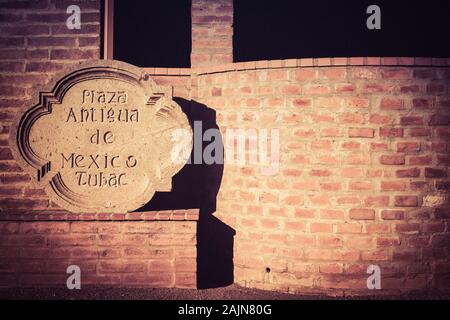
116, 253
368, 170
363, 176
148, 249
212, 32
35, 44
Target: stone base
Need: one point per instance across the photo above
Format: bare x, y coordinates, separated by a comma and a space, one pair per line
140, 249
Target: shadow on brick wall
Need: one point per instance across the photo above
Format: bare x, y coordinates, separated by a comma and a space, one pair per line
196, 186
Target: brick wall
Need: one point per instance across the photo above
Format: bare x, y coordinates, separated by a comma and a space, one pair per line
212, 32
363, 178
38, 241
35, 44
177, 78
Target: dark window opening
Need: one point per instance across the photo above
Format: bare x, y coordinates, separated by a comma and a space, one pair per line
282, 29
154, 33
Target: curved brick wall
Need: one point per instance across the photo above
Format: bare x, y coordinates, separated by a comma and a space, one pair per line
363, 177
38, 241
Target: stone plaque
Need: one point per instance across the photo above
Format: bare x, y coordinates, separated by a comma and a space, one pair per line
101, 138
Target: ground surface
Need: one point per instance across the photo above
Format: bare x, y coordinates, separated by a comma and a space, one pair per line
233, 292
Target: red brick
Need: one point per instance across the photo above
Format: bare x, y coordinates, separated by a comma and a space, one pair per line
216, 92
364, 73
419, 160
358, 159
121, 267
396, 74
302, 103
317, 89
408, 173
321, 227
318, 118
185, 280
443, 160
436, 88
419, 132
408, 147
334, 73
277, 75
388, 241
295, 226
351, 145
328, 241
411, 120
302, 240
407, 227
349, 227
305, 74
345, 118
374, 146
380, 119
393, 186
345, 88
26, 204
253, 102
435, 173
181, 264
42, 42
378, 228
25, 30
330, 186
443, 132
360, 185
305, 213
89, 41
439, 120
333, 268
330, 132
73, 54
410, 89
269, 223
5, 154
291, 90
44, 227
10, 42
379, 255
360, 242
420, 186
358, 103
374, 88
422, 103
424, 73
392, 215
331, 214
376, 201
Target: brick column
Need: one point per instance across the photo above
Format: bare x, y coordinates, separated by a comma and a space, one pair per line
212, 32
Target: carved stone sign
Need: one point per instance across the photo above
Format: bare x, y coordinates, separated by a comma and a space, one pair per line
101, 138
